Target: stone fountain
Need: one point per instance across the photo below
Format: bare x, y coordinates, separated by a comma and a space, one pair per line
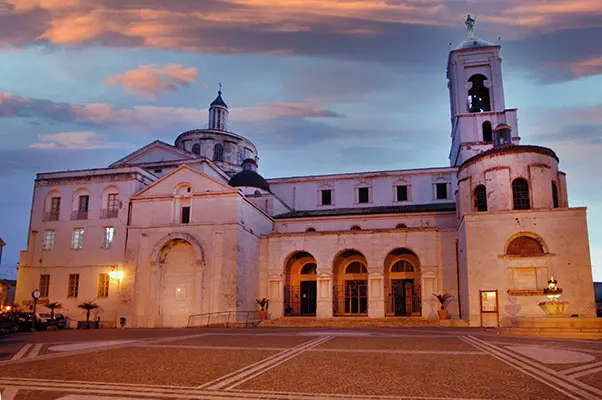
553, 307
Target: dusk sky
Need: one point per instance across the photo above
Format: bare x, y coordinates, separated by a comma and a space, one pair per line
320, 86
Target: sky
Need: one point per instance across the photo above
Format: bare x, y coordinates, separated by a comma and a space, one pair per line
320, 86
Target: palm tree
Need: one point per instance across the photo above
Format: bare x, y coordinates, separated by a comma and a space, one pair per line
88, 306
443, 298
52, 307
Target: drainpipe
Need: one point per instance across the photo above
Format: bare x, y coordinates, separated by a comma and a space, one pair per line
458, 278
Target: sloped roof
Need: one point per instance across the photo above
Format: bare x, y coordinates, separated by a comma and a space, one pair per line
414, 208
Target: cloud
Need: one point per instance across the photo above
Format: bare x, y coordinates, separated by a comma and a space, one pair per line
147, 117
151, 80
400, 32
76, 141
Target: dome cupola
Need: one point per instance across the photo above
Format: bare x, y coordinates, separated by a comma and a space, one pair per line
218, 113
249, 177
502, 135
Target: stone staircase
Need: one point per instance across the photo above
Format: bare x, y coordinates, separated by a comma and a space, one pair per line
360, 322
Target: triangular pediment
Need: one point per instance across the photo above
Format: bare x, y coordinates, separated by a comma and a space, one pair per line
182, 176
155, 152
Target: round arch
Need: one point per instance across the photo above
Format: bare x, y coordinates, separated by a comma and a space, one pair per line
402, 281
177, 236
300, 285
512, 241
350, 269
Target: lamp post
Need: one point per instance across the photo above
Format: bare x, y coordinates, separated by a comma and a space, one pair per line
35, 295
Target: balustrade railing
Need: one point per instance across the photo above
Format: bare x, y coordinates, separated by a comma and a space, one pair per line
51, 216
77, 214
109, 213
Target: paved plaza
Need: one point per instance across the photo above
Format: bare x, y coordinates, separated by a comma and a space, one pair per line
293, 363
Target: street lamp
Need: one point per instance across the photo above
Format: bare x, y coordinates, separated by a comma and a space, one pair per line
35, 295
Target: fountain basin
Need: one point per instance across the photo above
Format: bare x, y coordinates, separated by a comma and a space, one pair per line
554, 308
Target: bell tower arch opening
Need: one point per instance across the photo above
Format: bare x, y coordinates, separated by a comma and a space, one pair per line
478, 94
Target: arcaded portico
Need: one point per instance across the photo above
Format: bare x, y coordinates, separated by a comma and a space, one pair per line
360, 273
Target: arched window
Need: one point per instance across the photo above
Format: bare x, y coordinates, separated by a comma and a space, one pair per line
555, 194
355, 228
480, 198
309, 269
487, 132
402, 266
310, 229
525, 246
401, 226
196, 149
478, 95
356, 267
218, 152
520, 194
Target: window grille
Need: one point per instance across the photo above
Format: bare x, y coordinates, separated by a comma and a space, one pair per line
49, 238
520, 194
44, 285
107, 239
480, 198
78, 238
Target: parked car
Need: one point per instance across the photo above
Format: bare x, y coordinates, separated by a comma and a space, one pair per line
7, 324
59, 320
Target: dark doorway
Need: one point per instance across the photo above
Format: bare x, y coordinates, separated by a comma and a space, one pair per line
403, 294
356, 297
308, 297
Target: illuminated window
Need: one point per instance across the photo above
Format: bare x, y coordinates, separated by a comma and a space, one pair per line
73, 287
103, 285
78, 238
107, 238
44, 285
49, 237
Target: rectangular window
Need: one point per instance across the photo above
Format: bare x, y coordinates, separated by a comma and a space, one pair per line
49, 237
78, 238
525, 278
44, 285
73, 288
103, 285
402, 193
107, 238
363, 195
83, 204
55, 208
441, 191
185, 215
326, 197
112, 202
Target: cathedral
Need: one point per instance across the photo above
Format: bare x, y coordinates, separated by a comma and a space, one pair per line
170, 232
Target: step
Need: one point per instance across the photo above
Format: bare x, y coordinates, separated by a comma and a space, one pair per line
354, 322
565, 333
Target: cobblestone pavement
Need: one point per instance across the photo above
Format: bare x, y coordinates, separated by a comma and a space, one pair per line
296, 363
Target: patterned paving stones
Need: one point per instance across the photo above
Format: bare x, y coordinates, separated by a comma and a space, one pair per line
291, 363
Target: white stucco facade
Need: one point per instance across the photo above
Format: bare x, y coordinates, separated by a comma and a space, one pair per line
192, 228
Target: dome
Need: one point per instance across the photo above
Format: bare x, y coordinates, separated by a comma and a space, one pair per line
501, 126
474, 43
249, 178
219, 101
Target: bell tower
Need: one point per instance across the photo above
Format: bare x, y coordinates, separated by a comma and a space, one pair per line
476, 92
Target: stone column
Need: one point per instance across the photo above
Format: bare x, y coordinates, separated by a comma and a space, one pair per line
276, 295
324, 300
376, 299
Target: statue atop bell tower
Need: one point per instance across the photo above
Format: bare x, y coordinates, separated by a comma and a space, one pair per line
476, 88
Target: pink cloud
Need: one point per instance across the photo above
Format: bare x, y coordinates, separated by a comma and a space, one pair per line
150, 81
587, 67
76, 141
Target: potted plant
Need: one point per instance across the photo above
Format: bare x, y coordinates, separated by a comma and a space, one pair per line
88, 306
443, 313
263, 303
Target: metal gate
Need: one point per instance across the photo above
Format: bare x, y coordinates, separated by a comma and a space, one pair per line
351, 298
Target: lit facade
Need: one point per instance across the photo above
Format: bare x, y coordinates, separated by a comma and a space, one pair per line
169, 232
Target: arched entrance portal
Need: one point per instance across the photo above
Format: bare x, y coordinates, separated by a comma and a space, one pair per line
402, 283
350, 284
300, 289
178, 274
